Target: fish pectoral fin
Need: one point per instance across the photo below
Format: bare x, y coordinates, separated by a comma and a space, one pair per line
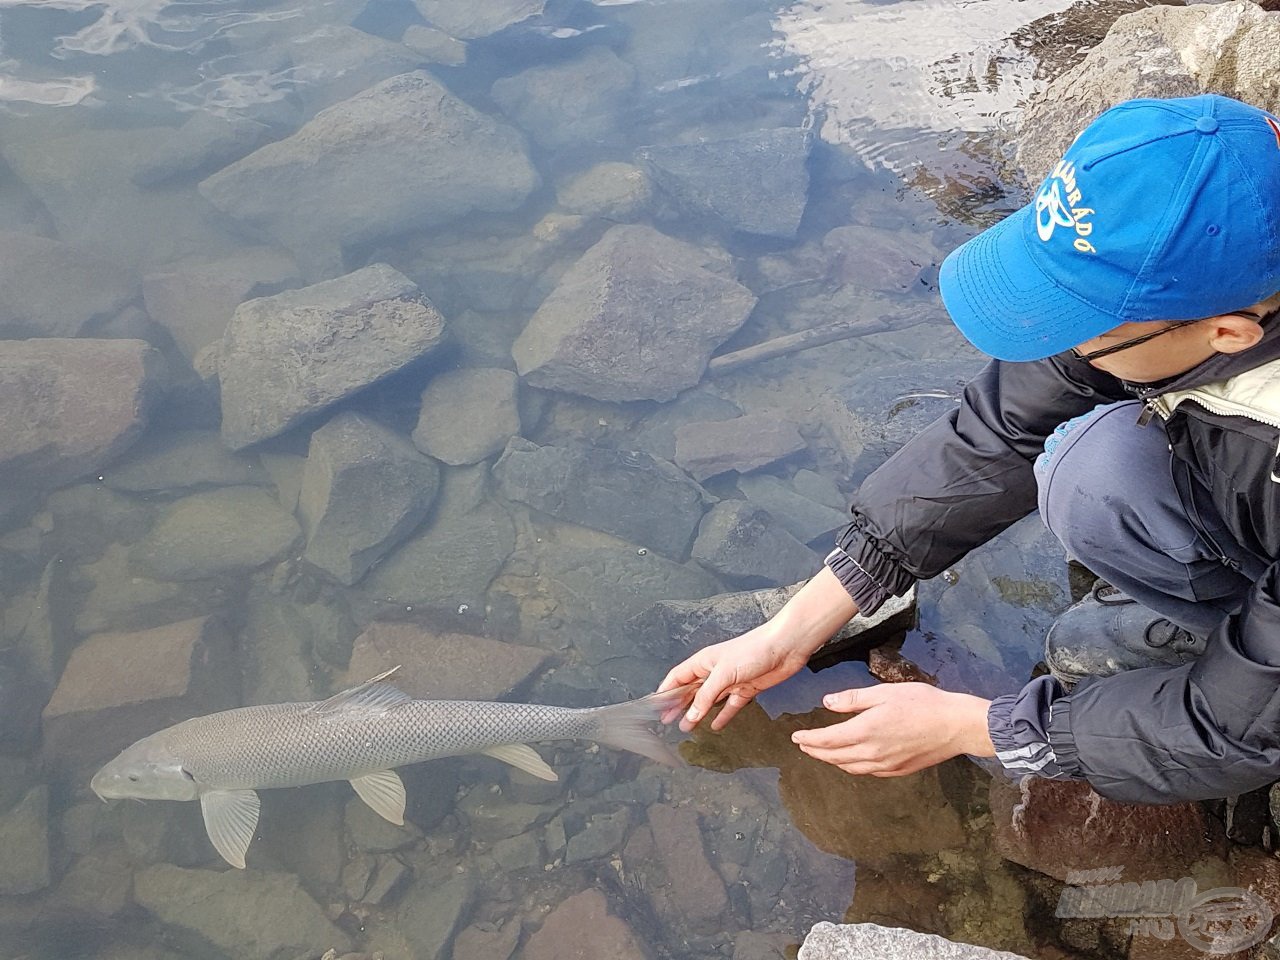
384, 792
524, 757
372, 693
230, 818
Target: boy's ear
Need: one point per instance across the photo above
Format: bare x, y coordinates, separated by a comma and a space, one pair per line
1233, 333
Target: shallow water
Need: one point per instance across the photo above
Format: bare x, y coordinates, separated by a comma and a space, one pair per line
899, 105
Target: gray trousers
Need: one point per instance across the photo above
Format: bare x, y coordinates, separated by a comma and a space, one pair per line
1107, 493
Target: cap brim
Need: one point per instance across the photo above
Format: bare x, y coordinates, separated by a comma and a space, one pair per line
1005, 305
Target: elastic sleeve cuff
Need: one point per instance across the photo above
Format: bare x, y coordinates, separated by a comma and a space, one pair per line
1019, 725
865, 591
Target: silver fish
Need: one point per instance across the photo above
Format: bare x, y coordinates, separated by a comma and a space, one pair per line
358, 735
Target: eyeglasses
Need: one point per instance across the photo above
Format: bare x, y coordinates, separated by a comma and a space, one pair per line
1134, 341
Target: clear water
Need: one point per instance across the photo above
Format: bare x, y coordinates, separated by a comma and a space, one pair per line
904, 100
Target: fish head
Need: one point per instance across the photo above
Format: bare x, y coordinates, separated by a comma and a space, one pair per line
148, 770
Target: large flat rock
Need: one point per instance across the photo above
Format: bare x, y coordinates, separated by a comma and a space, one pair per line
70, 406
870, 941
53, 289
291, 355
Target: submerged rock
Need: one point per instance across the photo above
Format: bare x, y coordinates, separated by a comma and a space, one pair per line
694, 892
71, 406
468, 415
435, 46
743, 443
613, 191
468, 20
581, 928
52, 289
870, 941
430, 912
403, 155
180, 461
293, 354
120, 600
804, 519
636, 318
201, 145
747, 546
568, 104
707, 178
364, 490
24, 837
630, 495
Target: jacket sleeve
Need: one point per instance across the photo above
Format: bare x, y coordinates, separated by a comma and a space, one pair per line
963, 479
1203, 730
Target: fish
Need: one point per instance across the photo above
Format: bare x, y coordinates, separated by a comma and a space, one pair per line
360, 734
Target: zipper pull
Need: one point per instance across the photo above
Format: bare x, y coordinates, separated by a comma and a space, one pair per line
1148, 411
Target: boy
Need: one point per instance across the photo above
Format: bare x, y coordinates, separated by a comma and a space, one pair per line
1135, 396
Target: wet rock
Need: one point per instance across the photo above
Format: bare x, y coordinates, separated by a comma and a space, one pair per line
246, 914
71, 406
201, 145
119, 687
164, 833
747, 546
657, 436
468, 415
371, 833
89, 518
630, 495
296, 353
279, 664
874, 259
753, 945
196, 458
53, 289
450, 563
430, 912
526, 788
194, 298
696, 891
364, 489
602, 836
1157, 52
707, 177
636, 318
24, 837
467, 20
41, 637
805, 520
286, 472
435, 46
91, 886
870, 941
22, 696
1055, 827
226, 531
743, 444
442, 666
119, 600
486, 942
581, 928
610, 191
404, 155
338, 61
820, 489
568, 104
492, 817
302, 833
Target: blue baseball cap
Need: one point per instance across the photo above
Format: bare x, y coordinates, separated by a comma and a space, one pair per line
1160, 210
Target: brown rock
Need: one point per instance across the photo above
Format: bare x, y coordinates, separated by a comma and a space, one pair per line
581, 928
1056, 827
696, 890
442, 666
70, 406
743, 444
486, 942
119, 687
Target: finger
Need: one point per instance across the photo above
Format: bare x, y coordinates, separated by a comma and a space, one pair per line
845, 733
690, 671
733, 703
712, 689
843, 755
860, 698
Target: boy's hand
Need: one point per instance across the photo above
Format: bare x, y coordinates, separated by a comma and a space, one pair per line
899, 728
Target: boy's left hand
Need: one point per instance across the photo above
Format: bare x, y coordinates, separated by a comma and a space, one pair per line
899, 728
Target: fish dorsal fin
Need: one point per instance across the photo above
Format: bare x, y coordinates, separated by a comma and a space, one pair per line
371, 693
384, 792
230, 818
524, 757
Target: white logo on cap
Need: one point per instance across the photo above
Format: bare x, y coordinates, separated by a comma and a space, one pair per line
1053, 210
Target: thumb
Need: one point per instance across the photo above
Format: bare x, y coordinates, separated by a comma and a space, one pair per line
851, 701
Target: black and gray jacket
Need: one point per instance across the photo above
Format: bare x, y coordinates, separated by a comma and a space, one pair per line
1205, 729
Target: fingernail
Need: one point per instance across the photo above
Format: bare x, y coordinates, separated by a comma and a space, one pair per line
829, 700
693, 715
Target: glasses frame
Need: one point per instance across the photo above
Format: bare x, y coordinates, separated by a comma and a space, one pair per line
1134, 341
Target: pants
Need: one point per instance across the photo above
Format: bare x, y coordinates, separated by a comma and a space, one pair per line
1106, 491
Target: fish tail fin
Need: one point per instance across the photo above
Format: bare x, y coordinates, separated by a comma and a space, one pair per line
628, 726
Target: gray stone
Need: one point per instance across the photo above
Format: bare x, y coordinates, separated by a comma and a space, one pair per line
581, 928
658, 434
485, 942
24, 837
201, 145
870, 941
695, 890
364, 490
89, 518
296, 353
451, 562
468, 415
435, 46
526, 788
742, 444
602, 836
279, 665
820, 489
248, 915
371, 833
194, 298
610, 191
636, 318
71, 406
630, 495
707, 178
755, 945
52, 289
43, 640
430, 912
196, 458
805, 520
119, 687
337, 61
404, 155
1156, 52
568, 104
870, 258
492, 817
469, 20
22, 695
231, 530
91, 886
747, 546
118, 599
164, 833
390, 876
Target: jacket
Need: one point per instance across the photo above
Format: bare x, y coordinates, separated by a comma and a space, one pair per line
1159, 735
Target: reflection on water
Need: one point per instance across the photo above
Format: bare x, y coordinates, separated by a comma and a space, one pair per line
422, 296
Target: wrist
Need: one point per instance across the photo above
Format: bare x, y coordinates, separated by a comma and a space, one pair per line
815, 614
970, 731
